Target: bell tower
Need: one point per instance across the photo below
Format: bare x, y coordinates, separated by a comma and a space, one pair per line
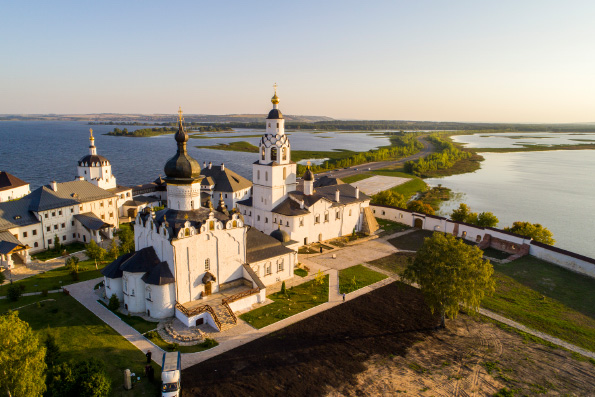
274, 174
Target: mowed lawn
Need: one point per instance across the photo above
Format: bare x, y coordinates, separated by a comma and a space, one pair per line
54, 279
547, 298
356, 277
81, 335
299, 298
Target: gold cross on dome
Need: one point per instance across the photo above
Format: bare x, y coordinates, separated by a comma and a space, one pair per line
91, 131
180, 114
275, 87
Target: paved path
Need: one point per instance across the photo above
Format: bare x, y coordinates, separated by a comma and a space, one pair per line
84, 293
35, 293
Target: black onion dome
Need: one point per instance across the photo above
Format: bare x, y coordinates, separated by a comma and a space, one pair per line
92, 159
182, 165
275, 114
308, 175
280, 235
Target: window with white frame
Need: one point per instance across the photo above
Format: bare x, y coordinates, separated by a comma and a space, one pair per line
268, 269
280, 265
207, 264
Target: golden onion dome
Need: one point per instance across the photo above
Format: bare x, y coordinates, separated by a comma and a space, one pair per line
275, 99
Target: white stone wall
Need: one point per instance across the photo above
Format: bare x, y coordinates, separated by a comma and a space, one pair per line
134, 292
191, 321
275, 275
113, 286
100, 176
245, 303
30, 235
14, 193
160, 300
575, 264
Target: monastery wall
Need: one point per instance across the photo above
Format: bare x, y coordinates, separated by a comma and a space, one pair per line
489, 237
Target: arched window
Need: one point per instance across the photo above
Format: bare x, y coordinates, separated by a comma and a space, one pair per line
263, 153
187, 232
284, 153
274, 153
284, 173
266, 175
258, 175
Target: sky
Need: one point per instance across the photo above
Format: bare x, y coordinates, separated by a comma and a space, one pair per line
491, 61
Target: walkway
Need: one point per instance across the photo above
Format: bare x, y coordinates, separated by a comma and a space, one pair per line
84, 293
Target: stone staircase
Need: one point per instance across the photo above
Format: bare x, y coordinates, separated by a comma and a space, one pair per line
223, 315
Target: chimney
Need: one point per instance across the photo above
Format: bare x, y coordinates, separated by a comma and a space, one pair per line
222, 167
302, 204
356, 192
210, 164
337, 195
54, 185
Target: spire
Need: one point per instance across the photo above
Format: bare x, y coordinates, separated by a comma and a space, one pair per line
275, 98
92, 148
181, 136
221, 207
182, 165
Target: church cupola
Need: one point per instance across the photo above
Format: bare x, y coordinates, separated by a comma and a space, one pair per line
182, 167
183, 174
308, 181
274, 145
92, 148
275, 120
94, 168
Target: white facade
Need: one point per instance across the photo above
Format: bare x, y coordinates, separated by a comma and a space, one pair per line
96, 169
14, 193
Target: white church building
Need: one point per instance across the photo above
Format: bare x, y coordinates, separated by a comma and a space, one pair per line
188, 257
302, 213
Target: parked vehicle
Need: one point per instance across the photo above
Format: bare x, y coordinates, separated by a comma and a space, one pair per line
171, 368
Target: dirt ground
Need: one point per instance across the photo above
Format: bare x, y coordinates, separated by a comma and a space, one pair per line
384, 343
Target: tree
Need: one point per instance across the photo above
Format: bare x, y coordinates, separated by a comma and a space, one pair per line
114, 303
52, 351
389, 197
14, 292
532, 230
95, 252
283, 288
464, 214
57, 245
450, 272
22, 358
420, 206
86, 379
460, 214
126, 237
2, 278
113, 251
487, 219
72, 264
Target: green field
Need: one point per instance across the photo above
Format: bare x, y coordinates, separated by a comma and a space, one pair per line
136, 322
407, 189
301, 297
81, 335
356, 277
391, 227
356, 178
241, 146
54, 279
546, 298
51, 254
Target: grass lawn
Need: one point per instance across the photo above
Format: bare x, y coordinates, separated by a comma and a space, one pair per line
136, 322
307, 250
394, 263
356, 178
156, 339
356, 277
391, 227
300, 272
547, 298
50, 280
80, 335
51, 254
411, 241
301, 297
241, 146
496, 254
407, 189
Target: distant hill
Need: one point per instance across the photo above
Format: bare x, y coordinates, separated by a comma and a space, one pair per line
160, 118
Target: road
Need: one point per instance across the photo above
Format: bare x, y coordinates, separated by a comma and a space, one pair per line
342, 173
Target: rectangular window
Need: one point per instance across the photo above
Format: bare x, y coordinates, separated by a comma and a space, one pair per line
102, 217
258, 218
301, 222
317, 219
35, 232
64, 238
207, 264
49, 242
337, 215
60, 212
73, 235
46, 215
24, 234
280, 266
48, 228
72, 223
71, 210
55, 227
54, 213
266, 220
326, 217
101, 204
63, 225
269, 270
111, 214
80, 207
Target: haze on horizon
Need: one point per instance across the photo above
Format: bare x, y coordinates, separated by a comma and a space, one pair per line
506, 61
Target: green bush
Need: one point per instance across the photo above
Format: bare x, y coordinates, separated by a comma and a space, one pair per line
114, 303
44, 292
14, 292
208, 343
152, 335
173, 347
